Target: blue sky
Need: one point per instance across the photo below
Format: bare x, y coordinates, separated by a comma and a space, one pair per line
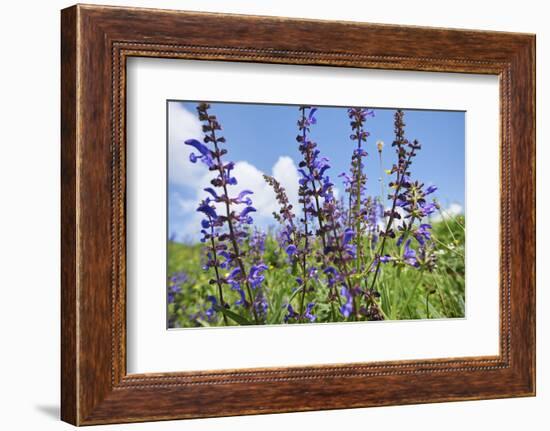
261, 139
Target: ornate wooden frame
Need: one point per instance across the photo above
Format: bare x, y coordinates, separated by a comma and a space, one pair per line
95, 42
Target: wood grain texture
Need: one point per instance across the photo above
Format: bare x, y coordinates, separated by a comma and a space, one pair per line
69, 397
96, 41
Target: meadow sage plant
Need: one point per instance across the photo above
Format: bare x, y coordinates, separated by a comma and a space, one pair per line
327, 258
223, 233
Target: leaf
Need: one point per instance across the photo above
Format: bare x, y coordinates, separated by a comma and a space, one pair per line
202, 322
233, 316
295, 293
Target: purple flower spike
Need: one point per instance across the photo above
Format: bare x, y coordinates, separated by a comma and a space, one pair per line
225, 236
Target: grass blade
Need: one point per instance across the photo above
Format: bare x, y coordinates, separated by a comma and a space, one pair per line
233, 316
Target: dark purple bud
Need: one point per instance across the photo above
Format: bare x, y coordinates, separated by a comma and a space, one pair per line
430, 190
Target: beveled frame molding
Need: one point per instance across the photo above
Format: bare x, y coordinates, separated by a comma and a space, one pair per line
96, 41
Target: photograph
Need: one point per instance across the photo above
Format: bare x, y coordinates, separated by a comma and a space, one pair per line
283, 214
332, 209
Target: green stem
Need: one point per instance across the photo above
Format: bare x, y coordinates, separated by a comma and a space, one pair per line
446, 224
448, 248
398, 184
304, 266
218, 279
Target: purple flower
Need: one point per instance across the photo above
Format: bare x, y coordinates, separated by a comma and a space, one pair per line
347, 308
423, 233
400, 240
427, 208
201, 148
206, 154
261, 305
351, 250
240, 199
348, 235
212, 192
291, 313
430, 190
401, 203
211, 312
178, 278
256, 245
242, 296
255, 276
321, 165
332, 276
173, 290
234, 273
247, 210
291, 250
409, 255
207, 210
311, 118
308, 314
244, 217
331, 270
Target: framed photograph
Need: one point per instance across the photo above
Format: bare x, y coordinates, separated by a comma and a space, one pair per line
322, 214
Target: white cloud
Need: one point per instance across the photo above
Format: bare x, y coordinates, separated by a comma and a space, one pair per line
285, 171
249, 177
185, 205
452, 210
183, 125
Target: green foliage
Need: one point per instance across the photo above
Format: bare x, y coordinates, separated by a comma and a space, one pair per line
405, 292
